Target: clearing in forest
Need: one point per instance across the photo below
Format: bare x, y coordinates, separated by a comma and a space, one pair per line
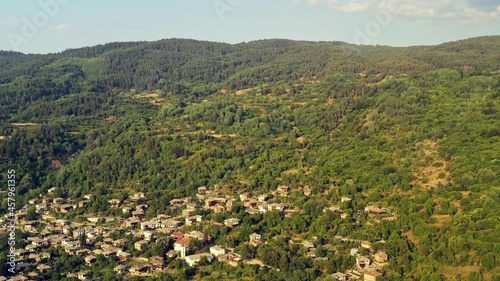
464, 271
431, 171
24, 124
152, 97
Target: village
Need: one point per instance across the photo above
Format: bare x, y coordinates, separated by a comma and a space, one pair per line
93, 238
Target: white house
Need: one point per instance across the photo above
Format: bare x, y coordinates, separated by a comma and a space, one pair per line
182, 246
217, 251
194, 259
255, 238
263, 197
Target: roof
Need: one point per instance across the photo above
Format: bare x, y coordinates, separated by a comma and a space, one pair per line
177, 234
198, 257
184, 241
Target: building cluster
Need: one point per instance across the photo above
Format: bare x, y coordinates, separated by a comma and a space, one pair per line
91, 239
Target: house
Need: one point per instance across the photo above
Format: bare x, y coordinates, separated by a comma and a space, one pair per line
84, 203
33, 223
232, 222
188, 212
372, 276
196, 235
82, 275
83, 252
31, 248
362, 262
202, 190
307, 190
139, 269
71, 249
176, 202
214, 201
32, 275
97, 252
34, 257
109, 253
38, 242
58, 200
366, 244
138, 215
263, 197
283, 190
41, 207
262, 208
345, 199
251, 203
157, 263
120, 242
43, 268
244, 196
46, 200
91, 259
375, 210
182, 246
115, 202
94, 219
172, 254
194, 220
107, 241
177, 235
380, 256
252, 211
332, 209
218, 208
148, 235
141, 245
21, 215
194, 259
124, 256
276, 207
131, 222
170, 224
307, 244
255, 238
120, 269
138, 196
342, 277
141, 207
217, 251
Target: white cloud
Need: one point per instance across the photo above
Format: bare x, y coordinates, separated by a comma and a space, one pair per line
465, 11
64, 27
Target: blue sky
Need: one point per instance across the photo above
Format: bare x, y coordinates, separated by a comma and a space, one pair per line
44, 26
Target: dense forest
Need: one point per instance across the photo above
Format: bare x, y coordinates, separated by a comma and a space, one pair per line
415, 130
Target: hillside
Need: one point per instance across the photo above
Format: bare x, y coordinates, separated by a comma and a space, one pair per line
414, 131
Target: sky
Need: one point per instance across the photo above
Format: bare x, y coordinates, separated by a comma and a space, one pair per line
45, 26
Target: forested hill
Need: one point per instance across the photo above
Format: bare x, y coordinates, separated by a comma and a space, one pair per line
412, 130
